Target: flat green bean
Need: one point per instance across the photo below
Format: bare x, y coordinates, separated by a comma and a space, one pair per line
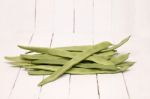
101, 60
75, 48
60, 61
20, 64
38, 56
117, 45
39, 72
55, 52
120, 58
17, 59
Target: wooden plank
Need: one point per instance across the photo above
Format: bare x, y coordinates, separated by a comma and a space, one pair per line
110, 24
122, 17
63, 16
44, 16
137, 79
16, 12
63, 27
13, 31
83, 16
141, 18
7, 73
102, 18
41, 37
83, 86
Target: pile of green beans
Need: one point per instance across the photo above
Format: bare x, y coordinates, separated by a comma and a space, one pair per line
101, 58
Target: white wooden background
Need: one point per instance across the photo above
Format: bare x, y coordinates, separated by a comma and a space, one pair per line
54, 23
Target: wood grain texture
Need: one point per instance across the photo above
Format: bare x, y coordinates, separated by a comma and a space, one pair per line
83, 86
62, 26
137, 78
15, 28
110, 25
42, 37
61, 85
7, 73
55, 23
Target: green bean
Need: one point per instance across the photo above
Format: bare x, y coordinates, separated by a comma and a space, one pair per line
120, 58
74, 61
14, 58
126, 64
39, 72
60, 61
38, 56
117, 45
106, 55
75, 48
101, 60
55, 52
20, 64
96, 66
17, 59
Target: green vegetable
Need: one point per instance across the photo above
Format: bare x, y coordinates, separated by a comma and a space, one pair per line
17, 59
74, 61
55, 52
102, 58
119, 59
38, 56
75, 48
39, 72
118, 45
